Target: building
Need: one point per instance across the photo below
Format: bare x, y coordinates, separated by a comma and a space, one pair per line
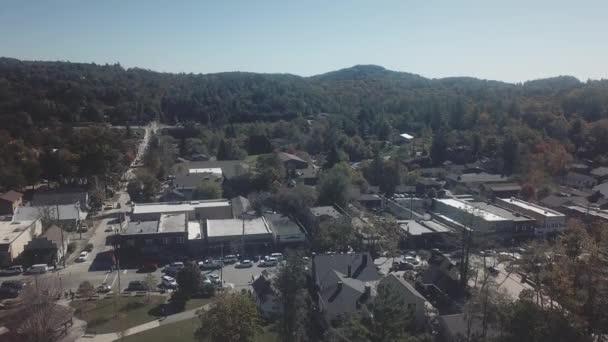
479, 220
548, 221
587, 212
600, 173
243, 235
343, 283
291, 162
424, 233
503, 190
602, 189
412, 299
68, 216
189, 175
14, 236
371, 201
474, 180
426, 185
264, 295
285, 231
168, 234
308, 176
441, 277
207, 209
48, 248
578, 180
61, 197
10, 201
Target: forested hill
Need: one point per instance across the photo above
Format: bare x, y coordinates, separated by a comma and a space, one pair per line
40, 93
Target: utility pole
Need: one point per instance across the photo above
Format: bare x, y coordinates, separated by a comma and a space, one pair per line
62, 238
78, 225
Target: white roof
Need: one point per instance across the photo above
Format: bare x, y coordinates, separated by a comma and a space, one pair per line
532, 207
213, 170
194, 230
177, 207
234, 227
464, 206
406, 136
10, 230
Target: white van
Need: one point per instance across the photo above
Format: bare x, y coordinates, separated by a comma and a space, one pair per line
38, 269
169, 282
278, 256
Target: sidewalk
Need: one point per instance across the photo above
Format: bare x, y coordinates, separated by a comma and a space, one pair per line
143, 327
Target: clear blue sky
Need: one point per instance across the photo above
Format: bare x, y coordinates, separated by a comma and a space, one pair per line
506, 40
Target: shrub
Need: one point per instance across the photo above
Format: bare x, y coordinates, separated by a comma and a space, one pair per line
88, 247
71, 247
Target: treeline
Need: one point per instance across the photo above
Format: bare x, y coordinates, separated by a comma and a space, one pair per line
538, 122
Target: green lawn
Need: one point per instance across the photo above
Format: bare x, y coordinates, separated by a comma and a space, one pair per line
132, 311
184, 332
116, 314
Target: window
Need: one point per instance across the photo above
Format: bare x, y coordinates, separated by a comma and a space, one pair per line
148, 242
179, 239
130, 242
165, 241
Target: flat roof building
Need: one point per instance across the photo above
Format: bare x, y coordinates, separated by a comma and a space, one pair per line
548, 221
212, 209
14, 236
284, 229
233, 230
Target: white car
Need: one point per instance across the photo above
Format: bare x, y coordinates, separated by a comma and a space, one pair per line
268, 262
244, 264
83, 256
109, 228
169, 282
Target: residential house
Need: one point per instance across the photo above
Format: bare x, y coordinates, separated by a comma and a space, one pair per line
427, 185
343, 283
189, 175
14, 236
413, 300
265, 296
291, 162
371, 201
600, 173
308, 176
9, 201
602, 189
48, 248
68, 216
441, 278
578, 180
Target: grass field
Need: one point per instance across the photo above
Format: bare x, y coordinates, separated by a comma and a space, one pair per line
113, 315
116, 314
184, 332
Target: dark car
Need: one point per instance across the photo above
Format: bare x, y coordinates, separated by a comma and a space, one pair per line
16, 285
137, 285
148, 267
12, 270
6, 293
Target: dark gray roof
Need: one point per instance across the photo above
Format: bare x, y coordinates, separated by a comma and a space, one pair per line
142, 227
66, 212
284, 156
481, 177
282, 225
602, 188
503, 187
601, 171
60, 197
369, 198
332, 270
309, 172
556, 201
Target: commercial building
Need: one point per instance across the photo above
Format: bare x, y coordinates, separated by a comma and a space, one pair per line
167, 234
479, 220
61, 197
209, 209
48, 248
14, 236
285, 231
245, 235
547, 221
424, 233
587, 212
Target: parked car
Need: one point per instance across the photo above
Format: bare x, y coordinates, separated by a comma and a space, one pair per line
168, 282
108, 206
83, 256
137, 285
38, 269
148, 267
278, 256
244, 264
12, 270
402, 266
268, 262
83, 228
230, 259
6, 293
214, 278
104, 288
16, 285
210, 264
109, 229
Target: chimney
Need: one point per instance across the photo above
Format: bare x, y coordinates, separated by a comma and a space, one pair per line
350, 268
339, 285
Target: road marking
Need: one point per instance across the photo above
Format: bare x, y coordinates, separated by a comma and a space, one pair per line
106, 277
114, 280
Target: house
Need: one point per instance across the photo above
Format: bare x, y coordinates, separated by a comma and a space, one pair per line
412, 299
371, 201
316, 215
48, 248
578, 180
308, 176
285, 231
474, 180
9, 201
291, 162
343, 283
264, 295
600, 173
14, 236
602, 189
442, 276
61, 197
68, 216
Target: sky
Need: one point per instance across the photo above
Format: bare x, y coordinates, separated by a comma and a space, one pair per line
512, 41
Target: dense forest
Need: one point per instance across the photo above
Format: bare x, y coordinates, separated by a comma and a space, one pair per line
536, 127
